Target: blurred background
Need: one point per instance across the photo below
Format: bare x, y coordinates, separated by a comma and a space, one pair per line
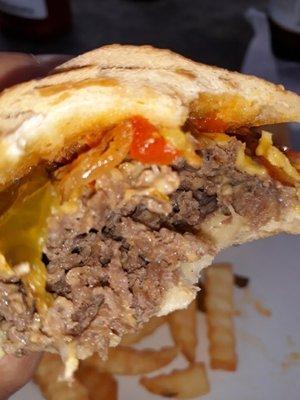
260, 37
214, 32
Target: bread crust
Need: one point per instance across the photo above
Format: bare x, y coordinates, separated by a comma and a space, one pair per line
42, 119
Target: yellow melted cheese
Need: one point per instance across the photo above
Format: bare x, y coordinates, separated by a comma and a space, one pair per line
6, 271
275, 157
181, 142
247, 164
22, 233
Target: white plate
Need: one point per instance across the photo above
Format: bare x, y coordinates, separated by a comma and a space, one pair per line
265, 344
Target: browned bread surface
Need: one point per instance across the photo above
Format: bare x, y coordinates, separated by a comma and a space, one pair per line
42, 119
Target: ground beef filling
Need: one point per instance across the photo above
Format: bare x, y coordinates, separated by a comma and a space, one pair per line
103, 261
110, 262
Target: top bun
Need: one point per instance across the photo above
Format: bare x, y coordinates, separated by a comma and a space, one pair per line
44, 120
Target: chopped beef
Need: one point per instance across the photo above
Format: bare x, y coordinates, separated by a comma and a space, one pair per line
191, 207
213, 187
117, 254
110, 263
16, 314
257, 201
142, 214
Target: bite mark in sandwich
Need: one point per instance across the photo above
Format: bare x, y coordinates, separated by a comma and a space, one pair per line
119, 184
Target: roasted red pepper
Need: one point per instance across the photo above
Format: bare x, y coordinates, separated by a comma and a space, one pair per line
277, 173
294, 157
148, 146
208, 124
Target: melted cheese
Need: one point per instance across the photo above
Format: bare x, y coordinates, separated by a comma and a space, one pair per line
22, 232
247, 164
267, 151
275, 157
6, 271
70, 360
179, 140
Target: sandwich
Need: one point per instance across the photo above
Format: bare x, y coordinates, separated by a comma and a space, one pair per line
122, 174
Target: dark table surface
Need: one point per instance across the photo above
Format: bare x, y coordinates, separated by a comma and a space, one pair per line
211, 31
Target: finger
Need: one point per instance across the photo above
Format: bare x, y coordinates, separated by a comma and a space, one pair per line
46, 62
19, 67
15, 372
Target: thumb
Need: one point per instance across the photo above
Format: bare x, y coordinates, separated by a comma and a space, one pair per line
19, 67
15, 372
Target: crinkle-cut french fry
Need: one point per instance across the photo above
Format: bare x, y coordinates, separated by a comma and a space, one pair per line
100, 385
219, 286
147, 329
128, 361
188, 383
183, 326
48, 378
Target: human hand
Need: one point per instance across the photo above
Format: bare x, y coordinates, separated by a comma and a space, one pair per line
14, 68
15, 372
19, 67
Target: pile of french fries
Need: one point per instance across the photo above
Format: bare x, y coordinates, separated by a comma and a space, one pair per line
95, 379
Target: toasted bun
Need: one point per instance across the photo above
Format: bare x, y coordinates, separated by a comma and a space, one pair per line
44, 120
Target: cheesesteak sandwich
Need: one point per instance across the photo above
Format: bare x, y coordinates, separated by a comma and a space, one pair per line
122, 174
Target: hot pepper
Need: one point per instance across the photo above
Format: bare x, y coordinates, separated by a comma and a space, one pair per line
148, 146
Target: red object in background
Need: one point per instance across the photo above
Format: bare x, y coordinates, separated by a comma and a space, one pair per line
35, 19
148, 146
